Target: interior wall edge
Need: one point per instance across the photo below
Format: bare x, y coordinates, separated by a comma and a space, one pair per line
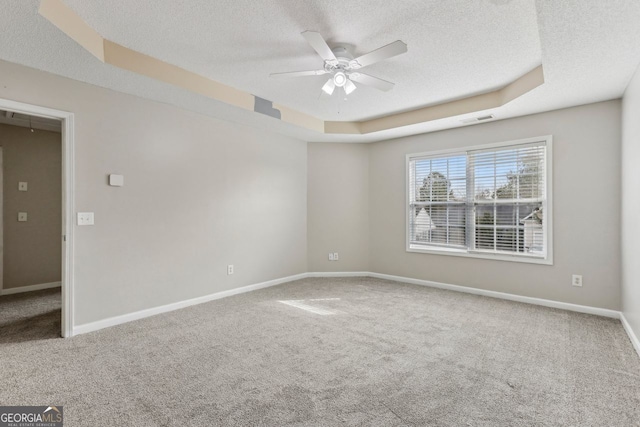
630, 332
630, 203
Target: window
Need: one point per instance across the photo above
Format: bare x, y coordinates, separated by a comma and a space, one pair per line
487, 202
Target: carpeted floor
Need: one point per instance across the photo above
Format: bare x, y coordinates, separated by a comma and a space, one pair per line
29, 316
330, 352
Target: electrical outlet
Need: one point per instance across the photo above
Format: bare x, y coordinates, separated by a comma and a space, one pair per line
331, 256
230, 269
576, 280
22, 186
22, 217
335, 256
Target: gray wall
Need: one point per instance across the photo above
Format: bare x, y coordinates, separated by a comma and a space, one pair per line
586, 183
199, 194
631, 204
338, 206
32, 249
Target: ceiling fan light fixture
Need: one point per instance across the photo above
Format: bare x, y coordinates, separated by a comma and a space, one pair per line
340, 79
340, 64
349, 87
329, 86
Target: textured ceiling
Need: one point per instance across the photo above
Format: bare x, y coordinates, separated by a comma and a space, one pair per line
588, 49
456, 48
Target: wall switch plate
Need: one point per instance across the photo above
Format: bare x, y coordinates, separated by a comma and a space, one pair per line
230, 269
22, 217
116, 180
85, 218
576, 280
335, 256
330, 256
22, 186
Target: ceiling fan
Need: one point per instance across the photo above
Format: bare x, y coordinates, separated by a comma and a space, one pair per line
343, 67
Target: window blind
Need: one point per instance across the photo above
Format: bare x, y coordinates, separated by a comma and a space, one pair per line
488, 201
439, 201
508, 199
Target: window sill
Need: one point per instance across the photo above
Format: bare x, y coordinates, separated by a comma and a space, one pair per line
528, 259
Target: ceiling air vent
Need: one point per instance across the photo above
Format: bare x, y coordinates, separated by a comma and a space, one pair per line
479, 119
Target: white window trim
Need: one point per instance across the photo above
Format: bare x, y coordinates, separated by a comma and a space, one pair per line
547, 218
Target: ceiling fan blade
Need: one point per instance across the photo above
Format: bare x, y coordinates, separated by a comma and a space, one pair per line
319, 45
375, 82
396, 48
299, 73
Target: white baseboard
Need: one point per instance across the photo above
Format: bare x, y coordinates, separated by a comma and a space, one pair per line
117, 320
339, 274
502, 295
632, 336
30, 288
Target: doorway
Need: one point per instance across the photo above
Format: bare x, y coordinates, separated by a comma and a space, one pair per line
65, 120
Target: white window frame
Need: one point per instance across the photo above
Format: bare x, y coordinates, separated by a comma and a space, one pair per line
546, 259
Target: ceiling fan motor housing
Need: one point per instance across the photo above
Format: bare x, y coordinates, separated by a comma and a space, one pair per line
343, 60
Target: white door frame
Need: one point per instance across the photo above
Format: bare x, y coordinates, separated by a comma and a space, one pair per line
68, 201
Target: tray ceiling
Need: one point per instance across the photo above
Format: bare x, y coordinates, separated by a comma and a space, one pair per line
456, 50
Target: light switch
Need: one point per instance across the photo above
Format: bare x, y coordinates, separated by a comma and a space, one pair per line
116, 180
22, 217
85, 218
22, 186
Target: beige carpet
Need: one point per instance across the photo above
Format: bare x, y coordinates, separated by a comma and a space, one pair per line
336, 352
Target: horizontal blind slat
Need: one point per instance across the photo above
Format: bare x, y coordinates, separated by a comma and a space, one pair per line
504, 204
